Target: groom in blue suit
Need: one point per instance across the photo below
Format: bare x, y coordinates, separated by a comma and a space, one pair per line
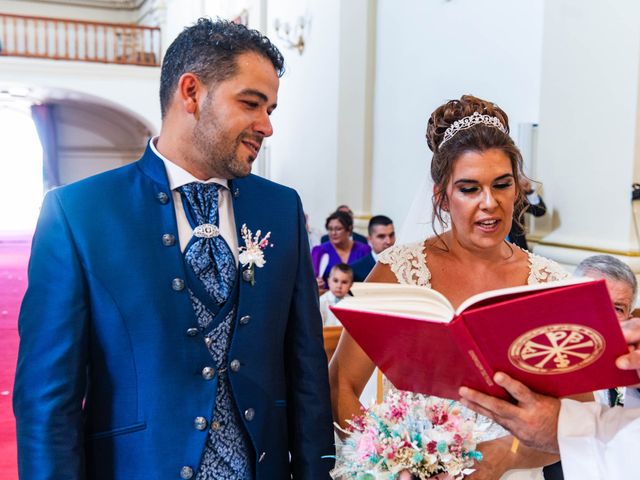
162, 335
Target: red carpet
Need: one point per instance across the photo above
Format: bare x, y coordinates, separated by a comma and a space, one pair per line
14, 255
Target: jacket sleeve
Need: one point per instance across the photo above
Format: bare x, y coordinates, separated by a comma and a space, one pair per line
311, 438
597, 442
52, 362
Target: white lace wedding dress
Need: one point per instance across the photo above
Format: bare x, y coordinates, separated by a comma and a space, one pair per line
409, 264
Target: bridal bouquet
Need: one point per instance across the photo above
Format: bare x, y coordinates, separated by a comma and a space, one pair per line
408, 435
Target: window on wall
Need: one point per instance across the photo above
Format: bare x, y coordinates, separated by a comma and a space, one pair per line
21, 183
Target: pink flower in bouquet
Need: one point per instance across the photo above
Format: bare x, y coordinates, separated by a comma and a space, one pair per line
456, 446
411, 434
397, 412
432, 447
367, 445
398, 409
357, 423
438, 414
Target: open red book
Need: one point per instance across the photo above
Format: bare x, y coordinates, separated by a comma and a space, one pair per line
558, 338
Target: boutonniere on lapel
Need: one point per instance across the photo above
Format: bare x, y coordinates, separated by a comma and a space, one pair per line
252, 252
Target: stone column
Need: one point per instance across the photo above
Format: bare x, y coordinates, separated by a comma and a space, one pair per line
355, 107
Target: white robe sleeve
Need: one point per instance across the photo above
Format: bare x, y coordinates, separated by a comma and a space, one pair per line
597, 442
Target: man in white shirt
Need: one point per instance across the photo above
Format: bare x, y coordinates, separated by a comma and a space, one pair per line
622, 286
594, 442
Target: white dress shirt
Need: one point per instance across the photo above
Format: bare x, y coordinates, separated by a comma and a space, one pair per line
631, 398
328, 299
178, 177
597, 442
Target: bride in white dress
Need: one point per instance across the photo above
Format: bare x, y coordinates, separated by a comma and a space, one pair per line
476, 169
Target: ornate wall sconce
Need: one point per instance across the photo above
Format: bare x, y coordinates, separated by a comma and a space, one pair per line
291, 34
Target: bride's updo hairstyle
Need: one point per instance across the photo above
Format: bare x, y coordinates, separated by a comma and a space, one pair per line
481, 126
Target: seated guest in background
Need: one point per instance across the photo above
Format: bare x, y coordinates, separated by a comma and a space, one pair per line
381, 236
354, 235
313, 234
535, 206
594, 442
622, 286
340, 281
621, 281
339, 249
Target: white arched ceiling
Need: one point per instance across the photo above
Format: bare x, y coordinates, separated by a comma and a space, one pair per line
94, 137
92, 134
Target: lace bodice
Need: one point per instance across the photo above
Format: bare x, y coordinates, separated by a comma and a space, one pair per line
409, 264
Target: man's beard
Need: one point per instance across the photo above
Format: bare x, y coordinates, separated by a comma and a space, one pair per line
217, 153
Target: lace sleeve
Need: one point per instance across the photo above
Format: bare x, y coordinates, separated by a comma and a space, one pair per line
408, 263
543, 270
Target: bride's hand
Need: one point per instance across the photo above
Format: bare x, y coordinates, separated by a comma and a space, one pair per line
496, 455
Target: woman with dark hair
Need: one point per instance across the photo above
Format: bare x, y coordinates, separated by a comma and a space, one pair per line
339, 249
476, 168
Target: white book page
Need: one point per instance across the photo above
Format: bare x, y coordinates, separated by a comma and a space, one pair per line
406, 300
524, 288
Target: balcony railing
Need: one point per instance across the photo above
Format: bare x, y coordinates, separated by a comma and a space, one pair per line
62, 39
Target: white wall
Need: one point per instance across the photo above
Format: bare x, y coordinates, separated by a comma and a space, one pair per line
303, 149
42, 9
129, 88
430, 51
94, 138
588, 141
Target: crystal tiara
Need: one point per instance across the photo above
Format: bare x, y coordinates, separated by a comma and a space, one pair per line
470, 121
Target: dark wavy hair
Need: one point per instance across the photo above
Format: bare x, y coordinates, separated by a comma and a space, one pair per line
478, 138
343, 217
209, 50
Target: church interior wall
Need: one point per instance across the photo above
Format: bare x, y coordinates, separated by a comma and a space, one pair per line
430, 52
571, 67
131, 87
93, 138
60, 10
304, 149
588, 140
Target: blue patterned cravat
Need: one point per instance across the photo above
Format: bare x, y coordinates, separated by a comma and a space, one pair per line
208, 254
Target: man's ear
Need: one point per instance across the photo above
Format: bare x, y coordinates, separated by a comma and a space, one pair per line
190, 90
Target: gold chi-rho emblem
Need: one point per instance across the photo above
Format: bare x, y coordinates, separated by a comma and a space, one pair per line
553, 349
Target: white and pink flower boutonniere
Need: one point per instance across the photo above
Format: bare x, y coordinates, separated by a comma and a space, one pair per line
252, 252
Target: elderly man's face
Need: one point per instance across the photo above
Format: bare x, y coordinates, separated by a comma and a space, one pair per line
622, 297
620, 292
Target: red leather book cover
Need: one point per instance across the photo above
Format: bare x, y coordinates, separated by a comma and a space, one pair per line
560, 341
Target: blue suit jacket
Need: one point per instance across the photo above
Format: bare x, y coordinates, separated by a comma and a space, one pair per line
362, 267
109, 382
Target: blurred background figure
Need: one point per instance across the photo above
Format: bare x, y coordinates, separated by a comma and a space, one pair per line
621, 281
623, 288
535, 207
340, 281
382, 235
340, 248
354, 235
314, 235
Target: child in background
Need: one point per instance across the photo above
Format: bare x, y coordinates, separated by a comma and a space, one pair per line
340, 281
